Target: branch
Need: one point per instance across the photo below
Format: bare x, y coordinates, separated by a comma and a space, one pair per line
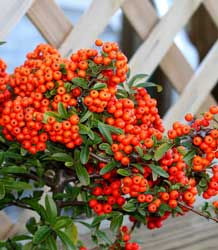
197, 212
19, 204
71, 203
106, 160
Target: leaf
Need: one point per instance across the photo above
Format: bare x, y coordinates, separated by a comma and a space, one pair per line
72, 232
105, 132
161, 150
106, 147
41, 234
80, 82
84, 154
13, 170
16, 185
84, 130
82, 174
103, 236
62, 110
85, 116
158, 170
115, 130
123, 172
99, 86
129, 206
139, 167
63, 157
2, 42
63, 69
139, 151
149, 85
110, 166
2, 191
116, 222
51, 243
187, 158
62, 222
68, 243
51, 209
31, 225
135, 79
2, 157
98, 219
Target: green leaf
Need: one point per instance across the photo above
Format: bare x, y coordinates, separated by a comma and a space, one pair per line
66, 240
139, 151
103, 236
116, 222
31, 225
63, 69
80, 82
82, 174
99, 86
51, 209
16, 185
85, 116
189, 156
139, 167
2, 42
106, 147
135, 79
2, 191
63, 157
123, 172
13, 170
149, 85
72, 232
84, 130
105, 132
110, 166
163, 208
158, 170
84, 154
2, 157
62, 110
41, 234
98, 219
129, 206
51, 243
114, 130
62, 222
161, 150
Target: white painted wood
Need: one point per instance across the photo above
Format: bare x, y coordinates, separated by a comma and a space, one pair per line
197, 90
11, 13
150, 53
50, 20
90, 25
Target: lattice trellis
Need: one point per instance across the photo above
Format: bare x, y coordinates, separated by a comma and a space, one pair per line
157, 48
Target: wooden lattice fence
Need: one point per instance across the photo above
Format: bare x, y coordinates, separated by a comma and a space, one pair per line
157, 48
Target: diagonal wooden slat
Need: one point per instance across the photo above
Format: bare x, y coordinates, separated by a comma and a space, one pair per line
212, 8
90, 25
178, 73
11, 13
50, 20
150, 53
198, 88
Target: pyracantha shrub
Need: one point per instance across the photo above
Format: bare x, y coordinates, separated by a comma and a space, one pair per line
92, 134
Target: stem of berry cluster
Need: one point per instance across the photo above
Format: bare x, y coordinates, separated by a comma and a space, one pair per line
198, 212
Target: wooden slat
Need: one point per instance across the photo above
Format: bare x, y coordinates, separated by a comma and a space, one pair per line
212, 8
11, 13
198, 88
174, 64
137, 12
5, 225
90, 25
50, 20
150, 53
